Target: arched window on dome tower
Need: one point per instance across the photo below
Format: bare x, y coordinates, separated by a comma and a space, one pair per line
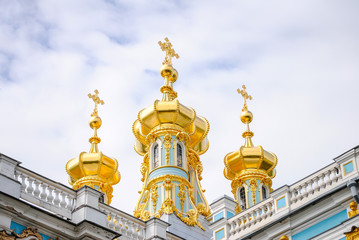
156, 156
264, 192
179, 155
242, 198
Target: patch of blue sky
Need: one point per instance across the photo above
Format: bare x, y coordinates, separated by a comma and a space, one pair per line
5, 66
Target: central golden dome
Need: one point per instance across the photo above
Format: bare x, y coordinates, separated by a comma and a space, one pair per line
170, 113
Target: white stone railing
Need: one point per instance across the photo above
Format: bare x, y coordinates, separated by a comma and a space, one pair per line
123, 223
45, 193
315, 185
298, 194
252, 217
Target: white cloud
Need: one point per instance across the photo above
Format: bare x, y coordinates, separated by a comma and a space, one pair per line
298, 59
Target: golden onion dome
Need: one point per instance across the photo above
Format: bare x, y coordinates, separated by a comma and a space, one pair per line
169, 113
249, 159
93, 168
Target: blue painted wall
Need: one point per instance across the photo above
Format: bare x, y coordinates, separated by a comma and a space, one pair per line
321, 226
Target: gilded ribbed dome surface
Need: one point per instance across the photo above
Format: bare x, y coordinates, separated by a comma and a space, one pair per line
94, 165
163, 114
249, 158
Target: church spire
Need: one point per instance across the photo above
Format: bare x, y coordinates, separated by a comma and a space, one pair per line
251, 168
171, 137
94, 169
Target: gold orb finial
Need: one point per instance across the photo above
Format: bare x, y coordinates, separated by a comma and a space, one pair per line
246, 117
284, 237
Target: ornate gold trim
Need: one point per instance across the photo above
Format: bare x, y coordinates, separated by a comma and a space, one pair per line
353, 234
25, 233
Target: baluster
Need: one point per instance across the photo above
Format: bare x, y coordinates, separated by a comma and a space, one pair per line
335, 175
118, 225
246, 218
125, 226
316, 184
328, 181
240, 224
29, 188
122, 224
300, 192
111, 220
305, 192
322, 181
140, 233
130, 231
310, 187
37, 189
293, 196
43, 194
63, 201
57, 198
232, 229
259, 215
49, 196
70, 202
270, 209
23, 184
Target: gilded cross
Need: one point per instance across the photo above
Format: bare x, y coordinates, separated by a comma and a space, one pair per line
96, 100
170, 52
245, 96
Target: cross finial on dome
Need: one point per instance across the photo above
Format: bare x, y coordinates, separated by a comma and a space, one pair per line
245, 96
96, 100
170, 52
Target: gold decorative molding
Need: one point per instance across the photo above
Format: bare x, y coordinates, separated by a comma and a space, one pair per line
354, 209
182, 195
154, 196
167, 142
353, 234
28, 232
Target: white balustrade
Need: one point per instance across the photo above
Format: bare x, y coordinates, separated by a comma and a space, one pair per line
299, 194
314, 185
123, 223
45, 193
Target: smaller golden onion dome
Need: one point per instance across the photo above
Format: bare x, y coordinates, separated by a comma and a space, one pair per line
93, 168
249, 160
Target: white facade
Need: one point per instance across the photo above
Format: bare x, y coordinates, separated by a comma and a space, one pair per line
315, 207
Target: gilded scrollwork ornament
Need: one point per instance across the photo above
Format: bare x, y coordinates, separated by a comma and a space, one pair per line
182, 195
154, 196
167, 143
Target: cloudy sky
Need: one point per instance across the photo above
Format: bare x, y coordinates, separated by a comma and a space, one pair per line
298, 59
